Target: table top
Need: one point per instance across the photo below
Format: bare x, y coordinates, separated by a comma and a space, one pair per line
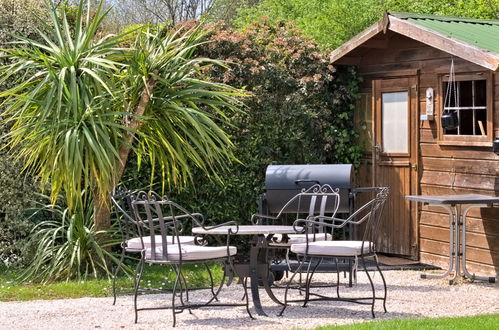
454, 199
248, 230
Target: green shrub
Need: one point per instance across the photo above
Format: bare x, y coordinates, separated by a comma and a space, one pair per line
299, 111
15, 196
66, 244
16, 18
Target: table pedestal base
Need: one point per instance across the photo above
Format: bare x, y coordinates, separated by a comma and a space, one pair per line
457, 245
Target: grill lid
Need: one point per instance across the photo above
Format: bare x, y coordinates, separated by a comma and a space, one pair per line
293, 177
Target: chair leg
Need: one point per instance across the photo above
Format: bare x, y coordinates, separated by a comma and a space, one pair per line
337, 278
212, 284
244, 295
114, 285
217, 292
138, 277
183, 285
309, 281
372, 285
298, 270
115, 273
383, 279
174, 292
244, 283
300, 281
245, 286
306, 282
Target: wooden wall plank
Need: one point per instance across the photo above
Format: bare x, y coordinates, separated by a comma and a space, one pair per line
427, 189
472, 239
465, 166
461, 180
473, 225
428, 135
472, 254
474, 267
475, 153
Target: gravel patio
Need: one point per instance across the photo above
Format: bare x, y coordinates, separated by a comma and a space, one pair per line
408, 297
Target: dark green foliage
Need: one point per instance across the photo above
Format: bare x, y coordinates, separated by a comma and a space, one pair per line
14, 196
16, 18
298, 111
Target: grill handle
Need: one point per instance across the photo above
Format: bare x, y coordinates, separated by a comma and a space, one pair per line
306, 181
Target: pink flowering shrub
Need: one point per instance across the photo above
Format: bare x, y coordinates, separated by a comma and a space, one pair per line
300, 110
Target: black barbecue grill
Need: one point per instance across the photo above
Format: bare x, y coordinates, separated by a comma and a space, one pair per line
282, 182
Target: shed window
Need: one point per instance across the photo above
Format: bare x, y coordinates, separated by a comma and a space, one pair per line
470, 103
473, 105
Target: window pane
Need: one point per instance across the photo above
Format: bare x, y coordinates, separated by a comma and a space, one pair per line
481, 117
395, 118
450, 131
465, 93
449, 96
466, 122
480, 89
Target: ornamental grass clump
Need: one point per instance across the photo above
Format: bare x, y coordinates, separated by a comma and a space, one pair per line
65, 246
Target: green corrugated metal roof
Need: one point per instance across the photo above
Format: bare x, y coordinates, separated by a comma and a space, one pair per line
481, 33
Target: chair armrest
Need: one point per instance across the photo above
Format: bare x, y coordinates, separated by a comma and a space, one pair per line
181, 216
335, 222
261, 216
313, 221
228, 223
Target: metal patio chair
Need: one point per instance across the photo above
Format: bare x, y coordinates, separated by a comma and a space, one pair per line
369, 215
164, 218
317, 200
131, 241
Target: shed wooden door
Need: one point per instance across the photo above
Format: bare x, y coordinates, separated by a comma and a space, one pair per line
395, 164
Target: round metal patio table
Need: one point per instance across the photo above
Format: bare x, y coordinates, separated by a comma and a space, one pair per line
261, 236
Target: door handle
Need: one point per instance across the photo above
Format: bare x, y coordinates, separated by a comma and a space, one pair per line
415, 166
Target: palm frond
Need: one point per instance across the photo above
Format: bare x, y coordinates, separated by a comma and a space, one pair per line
58, 109
182, 124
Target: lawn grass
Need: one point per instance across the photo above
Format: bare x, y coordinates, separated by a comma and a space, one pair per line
485, 322
154, 276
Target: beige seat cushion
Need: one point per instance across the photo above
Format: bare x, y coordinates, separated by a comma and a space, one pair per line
136, 244
332, 248
192, 252
300, 238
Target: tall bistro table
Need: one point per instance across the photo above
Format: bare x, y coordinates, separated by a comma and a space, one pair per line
258, 267
457, 229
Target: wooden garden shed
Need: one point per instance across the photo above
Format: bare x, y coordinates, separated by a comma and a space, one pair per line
405, 61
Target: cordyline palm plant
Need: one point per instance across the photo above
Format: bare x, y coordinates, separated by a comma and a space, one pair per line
84, 102
65, 245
